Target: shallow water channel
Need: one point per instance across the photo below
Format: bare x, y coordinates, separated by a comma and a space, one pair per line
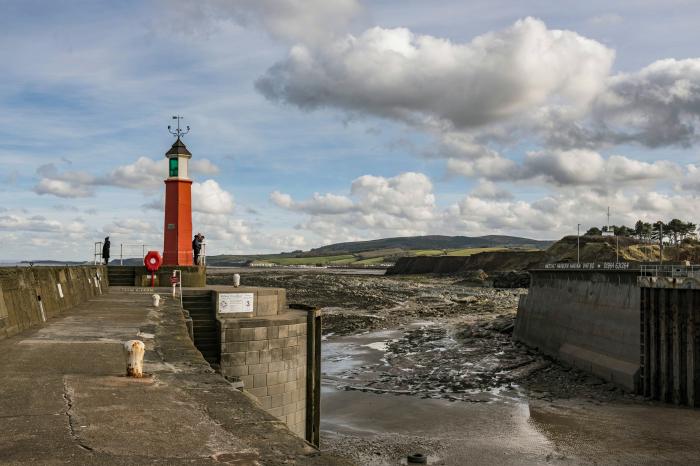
380, 427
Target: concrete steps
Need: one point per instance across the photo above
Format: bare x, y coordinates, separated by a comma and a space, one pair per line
121, 276
206, 334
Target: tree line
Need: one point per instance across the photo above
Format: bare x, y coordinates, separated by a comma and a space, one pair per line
675, 231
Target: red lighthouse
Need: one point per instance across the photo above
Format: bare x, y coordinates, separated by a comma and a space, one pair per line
177, 243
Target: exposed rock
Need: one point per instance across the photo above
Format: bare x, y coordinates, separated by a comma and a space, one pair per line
473, 278
512, 279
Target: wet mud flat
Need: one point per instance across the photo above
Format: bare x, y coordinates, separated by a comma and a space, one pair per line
426, 364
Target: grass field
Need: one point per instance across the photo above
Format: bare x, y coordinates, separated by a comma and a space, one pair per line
373, 257
453, 252
324, 260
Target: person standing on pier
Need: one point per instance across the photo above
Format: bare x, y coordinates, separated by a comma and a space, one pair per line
105, 250
197, 247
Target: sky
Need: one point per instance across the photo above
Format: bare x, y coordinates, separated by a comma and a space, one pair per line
321, 121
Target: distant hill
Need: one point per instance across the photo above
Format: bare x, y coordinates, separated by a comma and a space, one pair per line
52, 262
386, 250
430, 242
379, 251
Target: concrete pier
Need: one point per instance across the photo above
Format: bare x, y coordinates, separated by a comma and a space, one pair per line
66, 398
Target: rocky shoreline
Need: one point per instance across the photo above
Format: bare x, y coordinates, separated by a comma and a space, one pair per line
454, 340
431, 337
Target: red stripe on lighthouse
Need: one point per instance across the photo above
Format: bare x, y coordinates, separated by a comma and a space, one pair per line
177, 245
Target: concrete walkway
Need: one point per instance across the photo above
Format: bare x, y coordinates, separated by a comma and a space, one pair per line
63, 396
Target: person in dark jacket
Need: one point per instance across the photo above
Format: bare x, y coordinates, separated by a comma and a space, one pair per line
197, 247
105, 250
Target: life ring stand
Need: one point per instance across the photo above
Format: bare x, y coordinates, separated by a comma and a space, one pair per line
153, 261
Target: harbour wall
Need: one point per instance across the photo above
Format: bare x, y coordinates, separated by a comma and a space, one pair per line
137, 275
29, 296
670, 338
487, 261
587, 318
270, 349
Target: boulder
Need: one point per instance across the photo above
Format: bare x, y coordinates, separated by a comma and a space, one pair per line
473, 278
512, 279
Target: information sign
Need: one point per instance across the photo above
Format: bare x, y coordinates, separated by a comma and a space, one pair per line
230, 303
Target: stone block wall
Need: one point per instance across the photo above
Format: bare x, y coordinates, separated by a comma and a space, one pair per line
192, 276
31, 295
269, 356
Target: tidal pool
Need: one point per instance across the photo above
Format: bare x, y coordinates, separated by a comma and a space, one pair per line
379, 427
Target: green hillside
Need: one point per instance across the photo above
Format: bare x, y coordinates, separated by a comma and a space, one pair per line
432, 242
380, 251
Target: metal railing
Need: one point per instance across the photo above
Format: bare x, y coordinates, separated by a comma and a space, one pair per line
672, 271
202, 259
97, 256
133, 250
176, 281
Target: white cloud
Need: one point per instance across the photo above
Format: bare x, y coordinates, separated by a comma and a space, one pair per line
282, 200
296, 20
691, 179
203, 167
318, 204
401, 205
490, 190
406, 196
25, 232
34, 223
148, 174
61, 188
585, 167
69, 184
223, 232
576, 167
495, 168
656, 106
208, 197
131, 228
606, 19
144, 174
654, 202
396, 73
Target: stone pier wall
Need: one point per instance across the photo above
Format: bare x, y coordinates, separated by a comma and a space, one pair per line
269, 357
31, 295
266, 350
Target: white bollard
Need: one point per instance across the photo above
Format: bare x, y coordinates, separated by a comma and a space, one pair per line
236, 280
134, 351
156, 300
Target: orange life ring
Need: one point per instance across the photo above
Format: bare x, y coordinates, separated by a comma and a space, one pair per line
152, 261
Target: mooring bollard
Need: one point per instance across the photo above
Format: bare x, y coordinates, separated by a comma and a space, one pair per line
134, 350
417, 458
156, 300
236, 280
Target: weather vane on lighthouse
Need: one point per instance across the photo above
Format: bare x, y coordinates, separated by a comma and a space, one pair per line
178, 132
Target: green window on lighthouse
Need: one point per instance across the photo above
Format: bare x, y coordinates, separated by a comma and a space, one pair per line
173, 166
